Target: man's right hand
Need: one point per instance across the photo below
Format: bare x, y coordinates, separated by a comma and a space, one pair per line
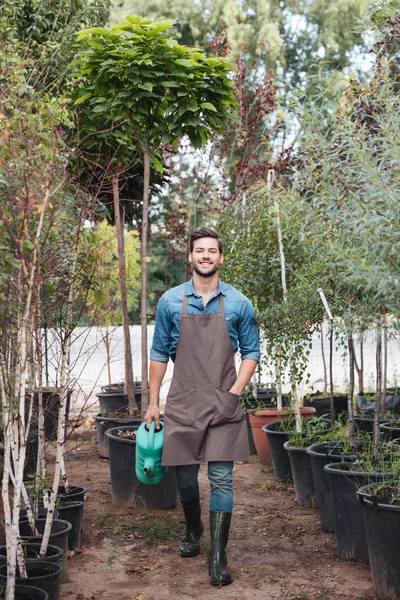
152, 412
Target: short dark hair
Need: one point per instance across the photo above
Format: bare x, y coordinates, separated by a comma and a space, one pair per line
206, 232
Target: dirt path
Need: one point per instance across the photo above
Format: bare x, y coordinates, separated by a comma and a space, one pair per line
276, 550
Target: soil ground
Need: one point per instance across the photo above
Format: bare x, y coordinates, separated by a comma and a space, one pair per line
276, 550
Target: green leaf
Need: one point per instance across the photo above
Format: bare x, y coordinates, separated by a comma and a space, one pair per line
27, 246
208, 106
83, 98
166, 139
157, 164
170, 84
162, 25
183, 62
192, 105
146, 86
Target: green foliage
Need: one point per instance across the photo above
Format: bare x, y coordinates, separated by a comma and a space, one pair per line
157, 529
43, 31
351, 174
137, 72
103, 302
313, 430
253, 264
290, 36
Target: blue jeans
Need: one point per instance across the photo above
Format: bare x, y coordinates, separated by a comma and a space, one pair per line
220, 478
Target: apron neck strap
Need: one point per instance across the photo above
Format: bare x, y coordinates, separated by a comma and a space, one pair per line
185, 303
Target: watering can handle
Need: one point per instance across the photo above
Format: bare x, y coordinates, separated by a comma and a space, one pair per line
151, 434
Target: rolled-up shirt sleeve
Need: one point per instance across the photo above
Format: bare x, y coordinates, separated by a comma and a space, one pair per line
162, 333
248, 339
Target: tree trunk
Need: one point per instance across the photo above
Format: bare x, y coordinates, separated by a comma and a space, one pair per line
378, 407
359, 369
323, 359
129, 383
385, 366
278, 371
108, 359
351, 392
332, 399
143, 313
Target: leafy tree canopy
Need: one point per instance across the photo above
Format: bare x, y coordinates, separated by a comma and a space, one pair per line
137, 72
44, 32
290, 35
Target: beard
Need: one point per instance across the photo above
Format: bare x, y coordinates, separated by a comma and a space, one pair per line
206, 274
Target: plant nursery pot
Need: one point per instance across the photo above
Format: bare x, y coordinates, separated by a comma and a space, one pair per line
126, 489
348, 516
115, 402
72, 511
322, 404
58, 537
382, 528
300, 464
31, 553
321, 454
259, 418
51, 405
389, 431
42, 575
103, 424
75, 492
42, 513
27, 592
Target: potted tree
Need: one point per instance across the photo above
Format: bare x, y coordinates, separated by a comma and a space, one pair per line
104, 308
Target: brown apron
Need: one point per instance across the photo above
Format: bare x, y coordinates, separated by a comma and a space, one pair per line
203, 421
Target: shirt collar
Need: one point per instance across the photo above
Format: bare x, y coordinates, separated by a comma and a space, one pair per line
190, 291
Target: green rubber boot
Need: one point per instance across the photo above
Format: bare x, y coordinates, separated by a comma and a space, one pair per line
190, 544
220, 523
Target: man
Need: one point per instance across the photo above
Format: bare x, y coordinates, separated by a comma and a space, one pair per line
199, 325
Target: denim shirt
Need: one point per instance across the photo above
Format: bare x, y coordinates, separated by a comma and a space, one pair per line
239, 315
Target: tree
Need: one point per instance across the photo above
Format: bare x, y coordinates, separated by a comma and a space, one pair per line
36, 194
43, 33
138, 73
307, 44
103, 302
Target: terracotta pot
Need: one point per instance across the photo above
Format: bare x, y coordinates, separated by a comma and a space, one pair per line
259, 418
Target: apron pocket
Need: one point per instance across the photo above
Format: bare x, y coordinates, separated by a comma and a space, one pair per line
181, 407
228, 407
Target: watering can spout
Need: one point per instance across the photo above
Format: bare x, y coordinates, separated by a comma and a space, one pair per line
148, 467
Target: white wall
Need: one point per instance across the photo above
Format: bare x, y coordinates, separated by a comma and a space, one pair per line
89, 371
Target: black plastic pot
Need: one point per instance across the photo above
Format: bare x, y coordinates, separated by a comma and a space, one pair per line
389, 432
300, 463
28, 592
279, 456
75, 492
42, 575
265, 398
347, 512
115, 402
51, 406
103, 424
58, 537
323, 405
321, 454
31, 553
126, 489
42, 513
72, 512
382, 528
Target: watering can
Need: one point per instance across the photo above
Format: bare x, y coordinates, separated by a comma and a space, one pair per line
149, 443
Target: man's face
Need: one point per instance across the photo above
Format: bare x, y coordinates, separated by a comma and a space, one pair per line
206, 256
